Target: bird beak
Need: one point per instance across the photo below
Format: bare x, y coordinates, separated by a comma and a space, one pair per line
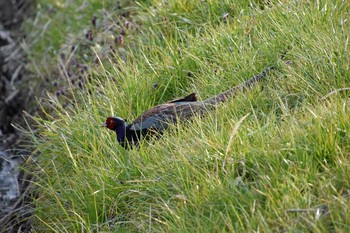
104, 124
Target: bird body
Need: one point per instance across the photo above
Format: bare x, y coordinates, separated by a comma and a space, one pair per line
158, 118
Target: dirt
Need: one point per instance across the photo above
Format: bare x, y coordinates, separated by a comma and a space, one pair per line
15, 96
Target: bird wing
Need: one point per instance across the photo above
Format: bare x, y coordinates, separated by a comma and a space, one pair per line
189, 98
160, 116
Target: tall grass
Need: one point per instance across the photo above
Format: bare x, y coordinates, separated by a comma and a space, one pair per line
273, 159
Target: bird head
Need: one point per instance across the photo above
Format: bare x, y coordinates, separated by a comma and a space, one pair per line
114, 123
118, 125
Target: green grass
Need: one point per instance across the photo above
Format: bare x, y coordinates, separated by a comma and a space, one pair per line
273, 159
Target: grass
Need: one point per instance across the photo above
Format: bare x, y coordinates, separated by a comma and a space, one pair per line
273, 159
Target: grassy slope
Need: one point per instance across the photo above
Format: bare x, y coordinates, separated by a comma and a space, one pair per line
287, 167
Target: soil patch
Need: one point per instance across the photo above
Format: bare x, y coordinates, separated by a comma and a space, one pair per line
15, 96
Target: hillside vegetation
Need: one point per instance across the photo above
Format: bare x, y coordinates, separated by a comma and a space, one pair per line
273, 159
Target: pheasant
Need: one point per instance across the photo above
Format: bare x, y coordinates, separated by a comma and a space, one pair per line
155, 120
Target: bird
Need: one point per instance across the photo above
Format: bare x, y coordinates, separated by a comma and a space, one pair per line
157, 119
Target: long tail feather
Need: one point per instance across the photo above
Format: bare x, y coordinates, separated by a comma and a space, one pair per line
222, 97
